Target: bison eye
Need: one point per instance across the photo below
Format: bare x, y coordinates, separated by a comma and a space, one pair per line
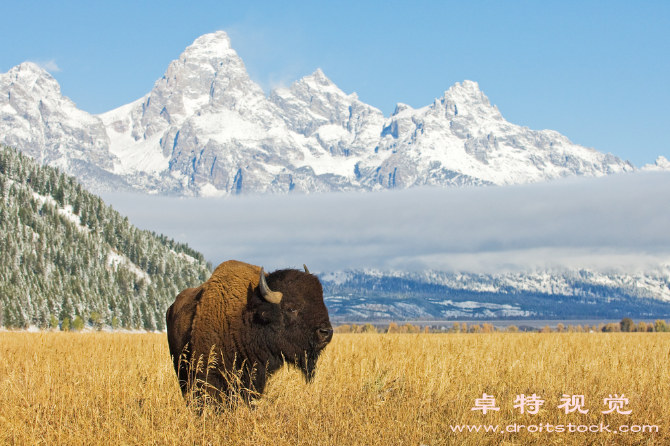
291, 310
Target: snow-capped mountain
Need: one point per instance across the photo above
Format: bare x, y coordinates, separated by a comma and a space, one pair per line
660, 164
38, 120
571, 293
568, 282
207, 129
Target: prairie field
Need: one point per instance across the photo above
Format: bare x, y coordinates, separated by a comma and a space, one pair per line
377, 389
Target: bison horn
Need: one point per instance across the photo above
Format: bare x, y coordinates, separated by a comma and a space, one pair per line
305, 266
269, 295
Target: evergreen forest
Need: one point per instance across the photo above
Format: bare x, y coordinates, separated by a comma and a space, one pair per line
67, 259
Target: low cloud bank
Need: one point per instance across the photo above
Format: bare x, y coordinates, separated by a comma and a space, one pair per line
620, 222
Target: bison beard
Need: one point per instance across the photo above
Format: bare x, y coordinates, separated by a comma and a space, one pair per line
307, 363
230, 334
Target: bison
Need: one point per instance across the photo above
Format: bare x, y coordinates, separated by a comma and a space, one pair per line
242, 325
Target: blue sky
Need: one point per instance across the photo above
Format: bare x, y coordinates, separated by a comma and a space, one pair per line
596, 72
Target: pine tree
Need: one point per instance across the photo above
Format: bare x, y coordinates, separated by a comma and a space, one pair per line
51, 267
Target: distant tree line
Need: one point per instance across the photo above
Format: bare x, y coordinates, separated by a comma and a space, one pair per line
67, 259
626, 325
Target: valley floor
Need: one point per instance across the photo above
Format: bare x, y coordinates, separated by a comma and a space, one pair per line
115, 388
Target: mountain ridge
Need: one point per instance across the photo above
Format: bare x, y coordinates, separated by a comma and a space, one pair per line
374, 295
207, 129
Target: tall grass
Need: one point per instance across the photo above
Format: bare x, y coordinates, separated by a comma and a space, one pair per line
97, 388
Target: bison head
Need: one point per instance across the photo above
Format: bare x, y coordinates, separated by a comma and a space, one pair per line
290, 309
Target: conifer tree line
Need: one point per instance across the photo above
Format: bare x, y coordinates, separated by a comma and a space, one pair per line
67, 257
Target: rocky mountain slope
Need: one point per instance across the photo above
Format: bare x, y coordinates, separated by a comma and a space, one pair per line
36, 119
432, 295
207, 129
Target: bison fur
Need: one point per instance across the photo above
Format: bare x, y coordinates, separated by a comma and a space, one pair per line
229, 335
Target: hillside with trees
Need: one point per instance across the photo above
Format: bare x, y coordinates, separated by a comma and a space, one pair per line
67, 258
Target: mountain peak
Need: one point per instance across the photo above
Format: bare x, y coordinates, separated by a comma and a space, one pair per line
315, 83
32, 67
33, 78
318, 78
661, 163
215, 39
30, 70
466, 98
400, 107
469, 85
321, 78
467, 89
208, 72
212, 45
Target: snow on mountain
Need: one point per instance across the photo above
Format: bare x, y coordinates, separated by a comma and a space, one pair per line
38, 120
462, 139
315, 107
207, 129
378, 295
660, 164
568, 282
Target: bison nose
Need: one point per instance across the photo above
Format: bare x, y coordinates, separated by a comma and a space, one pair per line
325, 335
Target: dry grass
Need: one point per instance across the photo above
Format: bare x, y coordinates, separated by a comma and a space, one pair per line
62, 388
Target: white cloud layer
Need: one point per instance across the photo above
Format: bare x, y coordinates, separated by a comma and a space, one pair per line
618, 223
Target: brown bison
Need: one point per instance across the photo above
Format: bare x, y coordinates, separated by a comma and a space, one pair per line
245, 324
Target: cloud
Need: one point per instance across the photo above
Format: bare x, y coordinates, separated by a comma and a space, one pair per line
49, 65
620, 222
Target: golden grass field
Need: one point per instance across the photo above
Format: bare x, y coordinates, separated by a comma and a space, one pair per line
376, 389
